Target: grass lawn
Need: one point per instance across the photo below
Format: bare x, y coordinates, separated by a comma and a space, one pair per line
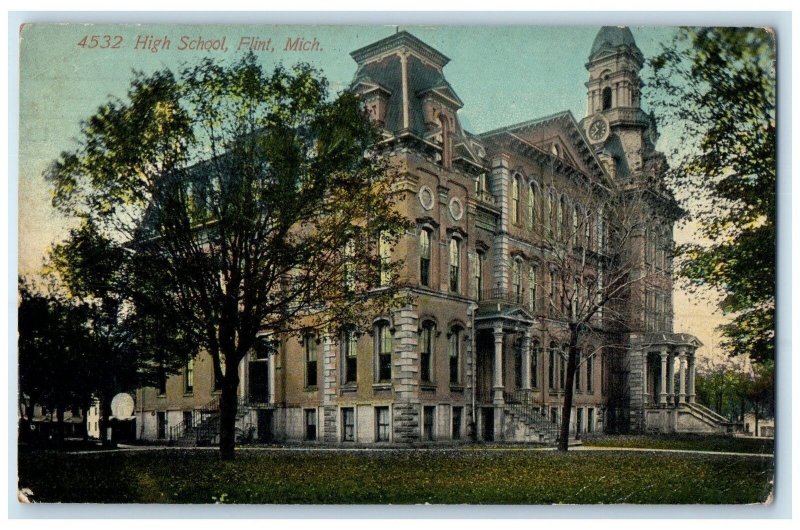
695, 442
398, 477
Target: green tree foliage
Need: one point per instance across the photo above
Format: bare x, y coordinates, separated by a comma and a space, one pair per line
126, 343
733, 391
247, 204
53, 358
715, 90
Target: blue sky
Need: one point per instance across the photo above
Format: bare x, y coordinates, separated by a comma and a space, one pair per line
504, 75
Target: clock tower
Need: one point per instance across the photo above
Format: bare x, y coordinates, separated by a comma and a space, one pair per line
622, 134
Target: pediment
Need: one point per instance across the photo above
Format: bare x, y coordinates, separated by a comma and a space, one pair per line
559, 132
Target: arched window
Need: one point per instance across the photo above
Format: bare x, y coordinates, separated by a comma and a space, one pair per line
551, 213
349, 266
384, 251
426, 351
516, 281
478, 279
455, 265
535, 363
454, 354
349, 354
424, 257
606, 98
589, 230
577, 214
515, 186
188, 377
531, 206
382, 347
532, 287
563, 216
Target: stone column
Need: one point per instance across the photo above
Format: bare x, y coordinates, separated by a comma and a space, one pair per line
671, 378
662, 398
682, 376
645, 393
526, 361
498, 365
271, 377
691, 378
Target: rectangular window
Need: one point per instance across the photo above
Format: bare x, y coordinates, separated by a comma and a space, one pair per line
349, 267
426, 353
188, 420
457, 414
348, 425
554, 415
188, 377
384, 251
381, 424
535, 364
424, 257
454, 354
579, 421
562, 368
311, 360
161, 421
531, 206
553, 293
162, 382
427, 414
590, 374
532, 288
383, 352
578, 368
350, 356
455, 265
551, 368
478, 280
516, 282
590, 420
311, 424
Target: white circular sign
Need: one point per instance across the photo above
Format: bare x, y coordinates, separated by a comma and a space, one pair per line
456, 209
425, 197
122, 406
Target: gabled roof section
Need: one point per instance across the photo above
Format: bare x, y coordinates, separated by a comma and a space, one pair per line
571, 136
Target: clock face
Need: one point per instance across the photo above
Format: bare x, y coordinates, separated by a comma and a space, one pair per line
598, 130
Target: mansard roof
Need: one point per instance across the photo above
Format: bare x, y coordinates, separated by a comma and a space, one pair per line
401, 39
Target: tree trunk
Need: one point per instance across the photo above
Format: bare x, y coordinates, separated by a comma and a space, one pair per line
85, 423
566, 413
105, 421
228, 404
755, 415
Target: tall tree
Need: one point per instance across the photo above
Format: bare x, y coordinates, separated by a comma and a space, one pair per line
53, 355
252, 202
597, 277
714, 92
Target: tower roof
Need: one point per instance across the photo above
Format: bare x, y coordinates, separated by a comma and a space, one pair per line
612, 38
